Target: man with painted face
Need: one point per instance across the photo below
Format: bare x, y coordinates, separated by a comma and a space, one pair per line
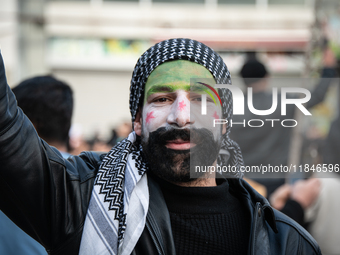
142, 196
169, 123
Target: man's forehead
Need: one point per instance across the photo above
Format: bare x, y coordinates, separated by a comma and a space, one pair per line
174, 75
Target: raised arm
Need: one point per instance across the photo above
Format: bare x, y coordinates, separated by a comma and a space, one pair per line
8, 108
42, 193
23, 191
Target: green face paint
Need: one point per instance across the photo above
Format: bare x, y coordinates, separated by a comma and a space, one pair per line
166, 89
175, 75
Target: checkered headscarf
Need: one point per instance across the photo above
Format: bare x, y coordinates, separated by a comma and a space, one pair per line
191, 50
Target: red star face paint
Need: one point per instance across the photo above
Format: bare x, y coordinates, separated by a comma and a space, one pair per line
181, 105
216, 116
149, 116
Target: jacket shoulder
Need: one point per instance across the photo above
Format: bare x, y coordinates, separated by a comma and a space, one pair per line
295, 235
285, 235
86, 164
80, 168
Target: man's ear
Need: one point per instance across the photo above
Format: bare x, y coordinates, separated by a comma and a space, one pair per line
137, 124
224, 128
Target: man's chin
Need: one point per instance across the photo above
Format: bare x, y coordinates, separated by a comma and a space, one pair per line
182, 179
176, 162
176, 168
173, 175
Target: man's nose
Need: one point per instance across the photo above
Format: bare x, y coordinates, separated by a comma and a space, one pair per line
180, 111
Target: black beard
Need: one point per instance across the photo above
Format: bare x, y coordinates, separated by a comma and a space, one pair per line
176, 165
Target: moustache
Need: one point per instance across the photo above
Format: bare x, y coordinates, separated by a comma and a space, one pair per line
194, 135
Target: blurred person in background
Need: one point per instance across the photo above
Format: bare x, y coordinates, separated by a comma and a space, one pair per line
98, 144
78, 143
295, 199
320, 204
270, 145
331, 147
140, 198
323, 216
48, 103
113, 138
120, 132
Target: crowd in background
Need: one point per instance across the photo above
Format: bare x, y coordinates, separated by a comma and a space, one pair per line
95, 143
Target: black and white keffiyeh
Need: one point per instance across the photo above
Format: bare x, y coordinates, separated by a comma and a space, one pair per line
187, 49
119, 203
120, 195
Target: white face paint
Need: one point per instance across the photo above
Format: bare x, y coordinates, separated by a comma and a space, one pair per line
169, 97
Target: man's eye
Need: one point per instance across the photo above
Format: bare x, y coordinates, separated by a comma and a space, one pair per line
161, 100
197, 99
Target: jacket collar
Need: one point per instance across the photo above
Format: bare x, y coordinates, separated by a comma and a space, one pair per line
242, 190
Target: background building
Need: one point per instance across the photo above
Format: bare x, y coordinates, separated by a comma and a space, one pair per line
94, 44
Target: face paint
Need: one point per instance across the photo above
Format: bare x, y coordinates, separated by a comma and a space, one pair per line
182, 105
168, 99
211, 104
216, 116
163, 88
149, 116
168, 94
213, 90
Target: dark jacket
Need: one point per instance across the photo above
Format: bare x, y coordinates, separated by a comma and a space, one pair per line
48, 196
